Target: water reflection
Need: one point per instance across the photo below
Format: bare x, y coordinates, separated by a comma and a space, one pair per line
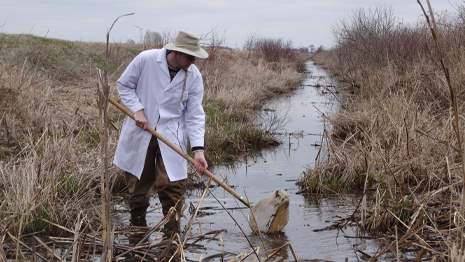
258, 175
278, 240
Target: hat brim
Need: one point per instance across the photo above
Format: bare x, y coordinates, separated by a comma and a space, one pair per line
201, 53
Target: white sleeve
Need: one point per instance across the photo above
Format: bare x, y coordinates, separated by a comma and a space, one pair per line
195, 115
127, 85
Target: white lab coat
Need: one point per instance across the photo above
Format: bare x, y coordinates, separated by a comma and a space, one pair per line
145, 84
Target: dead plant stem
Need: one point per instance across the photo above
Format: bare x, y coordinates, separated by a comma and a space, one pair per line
50, 250
191, 221
224, 208
26, 246
335, 97
453, 94
103, 95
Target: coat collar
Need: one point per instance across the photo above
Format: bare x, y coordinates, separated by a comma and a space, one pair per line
164, 64
164, 67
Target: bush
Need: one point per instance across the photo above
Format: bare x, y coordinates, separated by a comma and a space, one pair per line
276, 51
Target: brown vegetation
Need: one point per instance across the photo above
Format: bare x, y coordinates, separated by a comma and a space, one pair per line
49, 124
397, 139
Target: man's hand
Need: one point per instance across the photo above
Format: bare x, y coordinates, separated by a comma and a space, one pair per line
201, 162
141, 120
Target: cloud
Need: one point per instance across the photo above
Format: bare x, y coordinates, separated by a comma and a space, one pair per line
302, 21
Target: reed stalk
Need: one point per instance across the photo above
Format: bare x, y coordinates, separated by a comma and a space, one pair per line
404, 84
103, 95
453, 94
55, 147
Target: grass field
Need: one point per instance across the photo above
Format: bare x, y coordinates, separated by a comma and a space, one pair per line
49, 121
399, 139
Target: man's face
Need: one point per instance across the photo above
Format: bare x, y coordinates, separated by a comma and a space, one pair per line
185, 60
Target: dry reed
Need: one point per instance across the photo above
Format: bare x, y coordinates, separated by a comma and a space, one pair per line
49, 131
398, 138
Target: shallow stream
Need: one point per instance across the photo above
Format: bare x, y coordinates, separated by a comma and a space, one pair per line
280, 168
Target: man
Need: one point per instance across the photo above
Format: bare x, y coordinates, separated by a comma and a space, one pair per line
164, 90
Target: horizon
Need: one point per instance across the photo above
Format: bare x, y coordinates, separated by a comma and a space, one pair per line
303, 22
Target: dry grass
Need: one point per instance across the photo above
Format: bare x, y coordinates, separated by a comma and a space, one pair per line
396, 141
236, 85
49, 124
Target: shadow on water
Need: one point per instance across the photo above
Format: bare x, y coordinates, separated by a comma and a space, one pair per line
281, 167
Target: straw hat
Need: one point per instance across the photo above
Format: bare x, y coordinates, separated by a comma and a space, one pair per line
188, 43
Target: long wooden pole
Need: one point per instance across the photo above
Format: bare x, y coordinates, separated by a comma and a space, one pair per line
180, 152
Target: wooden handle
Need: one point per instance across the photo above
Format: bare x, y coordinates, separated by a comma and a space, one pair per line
180, 152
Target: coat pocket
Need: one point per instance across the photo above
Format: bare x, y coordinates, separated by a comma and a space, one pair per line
128, 134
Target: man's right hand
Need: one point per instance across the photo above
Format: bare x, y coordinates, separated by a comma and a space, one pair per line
141, 120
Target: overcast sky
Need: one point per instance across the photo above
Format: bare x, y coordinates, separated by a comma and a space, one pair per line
304, 22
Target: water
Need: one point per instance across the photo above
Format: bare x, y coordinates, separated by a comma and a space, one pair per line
280, 168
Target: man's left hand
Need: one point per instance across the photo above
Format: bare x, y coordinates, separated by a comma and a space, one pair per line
201, 162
